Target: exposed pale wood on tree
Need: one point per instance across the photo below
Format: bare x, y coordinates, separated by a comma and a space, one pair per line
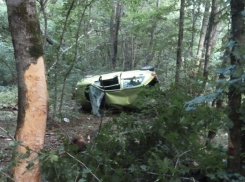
32, 132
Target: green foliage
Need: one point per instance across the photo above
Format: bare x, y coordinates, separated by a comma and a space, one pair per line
163, 142
8, 96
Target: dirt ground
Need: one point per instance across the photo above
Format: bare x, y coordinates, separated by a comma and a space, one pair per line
79, 122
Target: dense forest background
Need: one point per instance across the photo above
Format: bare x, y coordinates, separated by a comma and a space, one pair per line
80, 37
199, 63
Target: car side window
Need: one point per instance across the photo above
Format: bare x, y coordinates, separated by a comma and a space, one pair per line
132, 82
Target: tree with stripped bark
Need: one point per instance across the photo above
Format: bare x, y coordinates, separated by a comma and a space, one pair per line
32, 88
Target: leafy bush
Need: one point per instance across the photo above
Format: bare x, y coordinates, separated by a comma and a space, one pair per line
164, 142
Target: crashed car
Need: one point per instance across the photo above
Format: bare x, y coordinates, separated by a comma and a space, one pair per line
117, 90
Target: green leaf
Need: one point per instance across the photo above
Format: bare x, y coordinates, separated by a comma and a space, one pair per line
53, 157
12, 143
211, 176
82, 180
86, 171
143, 167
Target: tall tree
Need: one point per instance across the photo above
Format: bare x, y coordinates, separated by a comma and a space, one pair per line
150, 54
180, 41
32, 88
237, 33
203, 30
114, 29
210, 38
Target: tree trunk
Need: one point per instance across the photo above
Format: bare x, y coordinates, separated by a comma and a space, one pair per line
114, 29
32, 88
58, 55
151, 53
133, 52
180, 41
202, 36
73, 60
203, 31
195, 15
210, 38
235, 142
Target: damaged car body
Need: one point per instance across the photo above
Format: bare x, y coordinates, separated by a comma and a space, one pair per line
117, 90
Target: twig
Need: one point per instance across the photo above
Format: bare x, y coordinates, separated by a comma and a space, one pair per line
9, 177
179, 157
83, 165
7, 133
13, 75
167, 175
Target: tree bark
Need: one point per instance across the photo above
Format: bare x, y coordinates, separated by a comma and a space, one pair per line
235, 142
114, 29
210, 38
203, 31
151, 53
32, 87
133, 52
180, 41
202, 37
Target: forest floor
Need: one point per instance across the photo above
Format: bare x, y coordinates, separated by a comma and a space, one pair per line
79, 122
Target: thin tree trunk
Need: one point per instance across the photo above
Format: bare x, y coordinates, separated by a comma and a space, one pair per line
56, 63
32, 87
114, 29
133, 52
194, 20
180, 41
74, 58
203, 30
235, 141
150, 54
210, 38
202, 36
42, 4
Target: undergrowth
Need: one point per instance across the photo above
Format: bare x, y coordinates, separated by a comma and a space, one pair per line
8, 96
162, 142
